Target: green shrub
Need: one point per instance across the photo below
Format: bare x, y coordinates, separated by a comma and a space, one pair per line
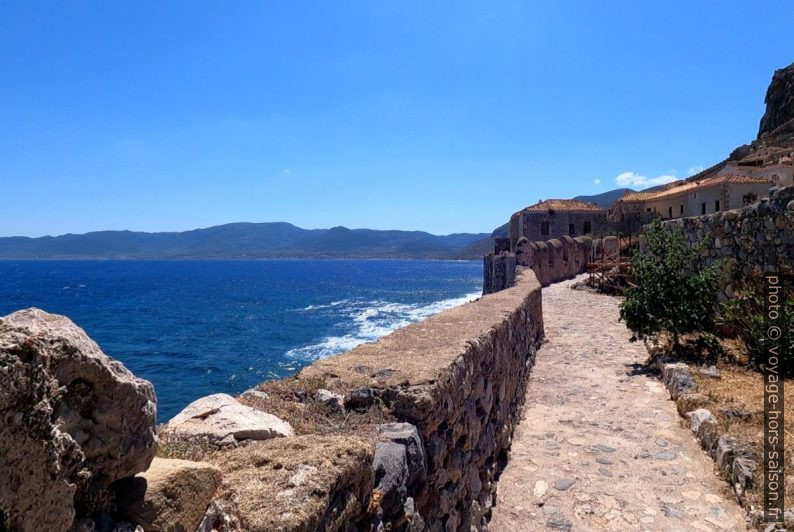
745, 314
673, 292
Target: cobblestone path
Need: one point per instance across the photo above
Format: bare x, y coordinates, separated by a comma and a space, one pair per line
601, 445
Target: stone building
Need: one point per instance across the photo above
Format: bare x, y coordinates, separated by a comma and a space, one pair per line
773, 163
683, 199
555, 218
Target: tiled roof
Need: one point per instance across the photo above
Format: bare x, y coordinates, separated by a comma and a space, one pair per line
638, 196
681, 187
562, 205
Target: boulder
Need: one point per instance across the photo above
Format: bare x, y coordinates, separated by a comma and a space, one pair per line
725, 452
742, 475
334, 400
256, 394
390, 468
73, 421
698, 417
170, 495
407, 435
679, 379
219, 417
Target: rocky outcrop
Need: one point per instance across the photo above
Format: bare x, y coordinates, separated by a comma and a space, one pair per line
72, 421
170, 495
779, 101
219, 418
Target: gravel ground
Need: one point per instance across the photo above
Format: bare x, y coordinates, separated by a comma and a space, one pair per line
600, 444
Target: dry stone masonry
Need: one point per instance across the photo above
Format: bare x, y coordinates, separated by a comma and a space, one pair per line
552, 261
454, 384
760, 236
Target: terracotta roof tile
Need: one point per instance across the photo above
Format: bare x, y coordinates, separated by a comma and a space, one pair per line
562, 205
681, 187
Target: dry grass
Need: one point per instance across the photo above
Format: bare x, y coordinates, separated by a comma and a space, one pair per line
292, 399
737, 400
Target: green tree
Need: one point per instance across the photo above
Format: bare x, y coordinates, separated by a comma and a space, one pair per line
673, 292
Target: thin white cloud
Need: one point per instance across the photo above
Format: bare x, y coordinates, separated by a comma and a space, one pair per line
597, 181
633, 179
695, 169
286, 171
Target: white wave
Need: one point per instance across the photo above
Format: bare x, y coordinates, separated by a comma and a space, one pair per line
318, 307
372, 320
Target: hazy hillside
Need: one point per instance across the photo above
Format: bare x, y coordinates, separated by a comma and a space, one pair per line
241, 240
605, 199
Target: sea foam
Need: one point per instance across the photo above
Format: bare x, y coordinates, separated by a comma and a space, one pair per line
367, 321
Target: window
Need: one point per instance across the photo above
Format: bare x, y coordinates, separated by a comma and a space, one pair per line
649, 209
717, 206
749, 198
703, 208
586, 229
571, 230
682, 209
669, 212
544, 228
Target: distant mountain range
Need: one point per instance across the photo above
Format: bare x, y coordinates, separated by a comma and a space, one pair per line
262, 240
605, 199
242, 240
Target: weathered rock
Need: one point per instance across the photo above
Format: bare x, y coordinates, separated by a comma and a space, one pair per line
219, 416
679, 379
73, 420
697, 417
563, 484
779, 101
254, 393
407, 435
331, 399
725, 452
390, 467
170, 495
360, 398
221, 516
742, 475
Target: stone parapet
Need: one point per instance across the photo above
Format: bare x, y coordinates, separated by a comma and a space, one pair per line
406, 433
552, 261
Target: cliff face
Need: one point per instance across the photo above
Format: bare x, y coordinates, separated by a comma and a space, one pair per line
779, 101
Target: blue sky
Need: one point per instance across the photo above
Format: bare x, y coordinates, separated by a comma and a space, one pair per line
439, 116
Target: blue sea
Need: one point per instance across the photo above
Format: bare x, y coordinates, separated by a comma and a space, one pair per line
196, 327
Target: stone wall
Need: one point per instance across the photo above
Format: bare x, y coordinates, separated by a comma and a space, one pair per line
552, 261
758, 236
498, 271
406, 433
459, 377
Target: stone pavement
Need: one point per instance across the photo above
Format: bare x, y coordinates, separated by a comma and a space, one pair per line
600, 444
